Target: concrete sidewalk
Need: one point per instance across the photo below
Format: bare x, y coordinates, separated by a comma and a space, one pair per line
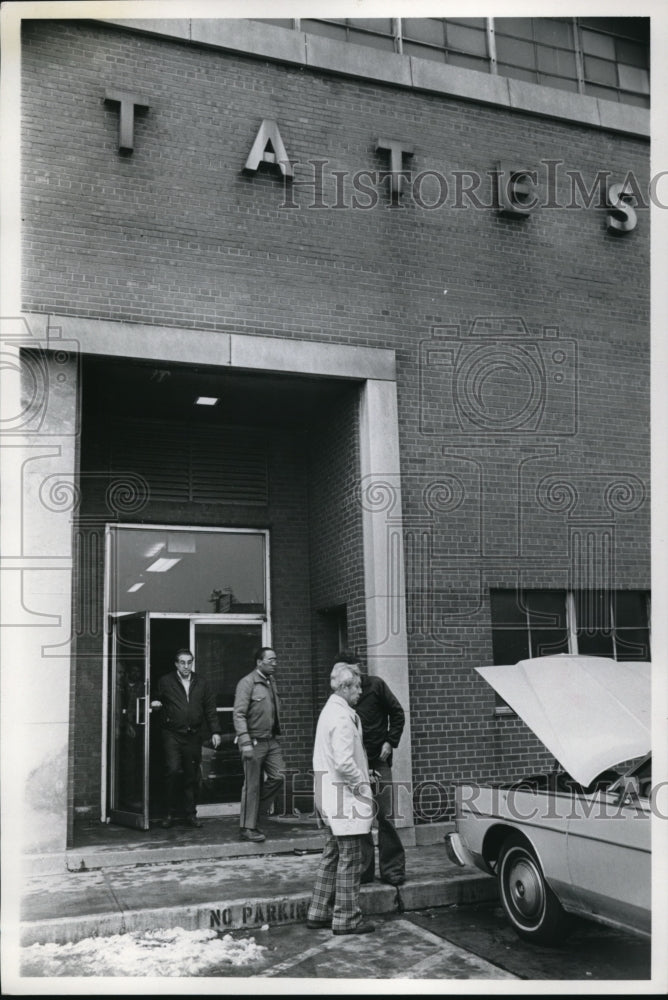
224, 893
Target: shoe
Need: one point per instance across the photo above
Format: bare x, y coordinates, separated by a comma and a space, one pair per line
394, 880
364, 928
256, 836
167, 823
317, 924
193, 821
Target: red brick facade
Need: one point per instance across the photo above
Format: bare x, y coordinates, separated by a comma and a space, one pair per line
176, 234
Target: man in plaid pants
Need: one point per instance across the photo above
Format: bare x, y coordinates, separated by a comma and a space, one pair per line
343, 799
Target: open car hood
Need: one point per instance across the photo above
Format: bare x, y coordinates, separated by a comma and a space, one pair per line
590, 712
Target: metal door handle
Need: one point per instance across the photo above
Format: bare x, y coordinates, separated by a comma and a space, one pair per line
142, 721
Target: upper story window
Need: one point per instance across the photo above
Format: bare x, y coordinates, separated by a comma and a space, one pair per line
459, 42
375, 32
616, 58
538, 49
605, 57
532, 623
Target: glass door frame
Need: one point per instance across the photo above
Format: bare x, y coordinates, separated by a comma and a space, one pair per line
230, 620
137, 820
225, 808
262, 618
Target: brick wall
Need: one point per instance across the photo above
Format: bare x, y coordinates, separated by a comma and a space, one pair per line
177, 234
337, 560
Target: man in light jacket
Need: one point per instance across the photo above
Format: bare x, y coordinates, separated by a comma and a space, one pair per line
257, 723
343, 799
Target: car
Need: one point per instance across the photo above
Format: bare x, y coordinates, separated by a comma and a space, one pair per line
574, 840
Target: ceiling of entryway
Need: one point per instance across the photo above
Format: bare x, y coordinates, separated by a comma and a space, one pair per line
159, 390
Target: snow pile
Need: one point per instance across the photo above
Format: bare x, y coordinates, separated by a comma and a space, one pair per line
174, 952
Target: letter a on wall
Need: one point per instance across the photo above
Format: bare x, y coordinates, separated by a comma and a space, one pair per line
268, 148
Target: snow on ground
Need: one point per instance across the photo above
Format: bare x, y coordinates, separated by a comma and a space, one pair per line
174, 952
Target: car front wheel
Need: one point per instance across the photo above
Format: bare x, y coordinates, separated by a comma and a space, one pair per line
532, 908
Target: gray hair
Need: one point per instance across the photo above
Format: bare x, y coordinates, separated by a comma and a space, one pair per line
342, 674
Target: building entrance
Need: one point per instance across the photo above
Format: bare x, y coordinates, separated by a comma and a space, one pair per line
143, 649
143, 644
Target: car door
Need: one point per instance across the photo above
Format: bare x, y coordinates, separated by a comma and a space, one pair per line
608, 847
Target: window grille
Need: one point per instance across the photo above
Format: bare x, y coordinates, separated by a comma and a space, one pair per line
534, 623
600, 57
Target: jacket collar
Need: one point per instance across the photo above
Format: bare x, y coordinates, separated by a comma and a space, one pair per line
175, 677
339, 700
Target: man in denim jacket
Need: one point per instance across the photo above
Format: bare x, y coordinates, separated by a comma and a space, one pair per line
257, 725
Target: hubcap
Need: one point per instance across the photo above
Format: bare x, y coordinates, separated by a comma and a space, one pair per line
525, 887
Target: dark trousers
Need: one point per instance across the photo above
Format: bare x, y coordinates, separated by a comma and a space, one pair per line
263, 778
391, 854
183, 753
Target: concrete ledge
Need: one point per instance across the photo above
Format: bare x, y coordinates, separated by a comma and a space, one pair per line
91, 859
357, 60
319, 53
471, 85
553, 103
467, 887
624, 118
161, 27
313, 357
131, 340
192, 346
250, 37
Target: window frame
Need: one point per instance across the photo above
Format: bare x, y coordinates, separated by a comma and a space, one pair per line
573, 626
489, 63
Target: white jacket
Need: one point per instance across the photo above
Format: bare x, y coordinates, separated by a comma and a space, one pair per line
341, 771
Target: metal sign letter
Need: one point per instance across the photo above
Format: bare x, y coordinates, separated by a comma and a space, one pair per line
268, 148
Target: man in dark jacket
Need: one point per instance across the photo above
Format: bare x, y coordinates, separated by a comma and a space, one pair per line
185, 704
383, 722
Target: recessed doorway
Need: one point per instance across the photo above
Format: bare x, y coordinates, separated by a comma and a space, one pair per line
143, 642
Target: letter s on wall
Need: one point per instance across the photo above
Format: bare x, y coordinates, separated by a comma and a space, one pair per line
622, 218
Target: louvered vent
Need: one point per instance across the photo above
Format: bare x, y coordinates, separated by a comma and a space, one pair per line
225, 465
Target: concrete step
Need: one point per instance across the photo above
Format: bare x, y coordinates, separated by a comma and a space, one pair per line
223, 893
102, 845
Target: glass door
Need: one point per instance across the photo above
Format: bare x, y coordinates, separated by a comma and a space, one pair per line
129, 720
224, 653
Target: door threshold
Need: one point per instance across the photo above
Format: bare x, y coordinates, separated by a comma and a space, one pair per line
212, 809
105, 845
89, 859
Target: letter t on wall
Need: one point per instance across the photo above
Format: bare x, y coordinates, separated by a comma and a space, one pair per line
126, 121
397, 152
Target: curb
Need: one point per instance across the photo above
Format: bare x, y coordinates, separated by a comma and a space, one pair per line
229, 915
